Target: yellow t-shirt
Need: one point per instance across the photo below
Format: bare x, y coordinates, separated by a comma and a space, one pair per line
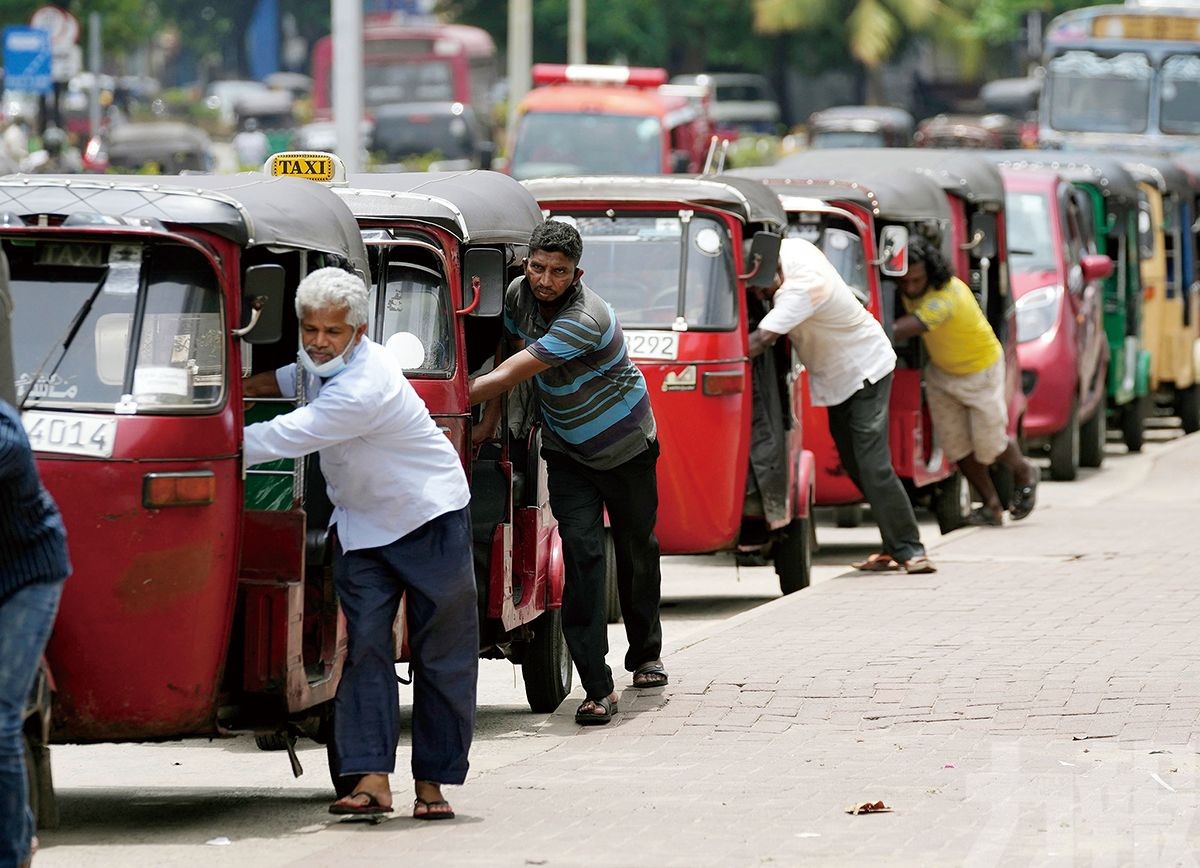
959, 338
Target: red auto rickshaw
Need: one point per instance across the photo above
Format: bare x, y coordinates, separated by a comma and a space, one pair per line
861, 218
676, 258
139, 305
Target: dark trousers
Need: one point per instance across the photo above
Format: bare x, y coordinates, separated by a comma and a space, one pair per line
859, 426
578, 497
432, 566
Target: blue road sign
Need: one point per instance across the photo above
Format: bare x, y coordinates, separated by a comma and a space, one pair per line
27, 58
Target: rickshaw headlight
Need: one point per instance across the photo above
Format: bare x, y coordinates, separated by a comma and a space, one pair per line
1037, 312
187, 488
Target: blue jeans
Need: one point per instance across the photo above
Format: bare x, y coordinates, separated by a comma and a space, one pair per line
26, 619
433, 566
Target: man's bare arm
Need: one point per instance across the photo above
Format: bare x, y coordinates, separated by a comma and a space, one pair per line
262, 385
512, 371
761, 340
906, 327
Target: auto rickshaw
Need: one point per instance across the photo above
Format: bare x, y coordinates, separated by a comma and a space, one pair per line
273, 112
974, 191
1057, 279
1114, 213
676, 258
195, 607
443, 247
988, 131
1170, 304
860, 126
861, 218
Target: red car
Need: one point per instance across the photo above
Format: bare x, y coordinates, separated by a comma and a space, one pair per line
1061, 344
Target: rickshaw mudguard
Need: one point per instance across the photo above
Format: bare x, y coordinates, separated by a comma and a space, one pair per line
803, 484
531, 568
271, 589
160, 603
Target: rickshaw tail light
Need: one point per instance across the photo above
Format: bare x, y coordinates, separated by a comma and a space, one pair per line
718, 383
188, 488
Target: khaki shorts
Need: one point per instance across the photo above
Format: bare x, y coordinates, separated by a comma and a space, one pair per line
970, 414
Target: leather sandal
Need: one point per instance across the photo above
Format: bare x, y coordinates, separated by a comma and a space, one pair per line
881, 562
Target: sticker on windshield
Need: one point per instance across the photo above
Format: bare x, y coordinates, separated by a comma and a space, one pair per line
669, 226
71, 255
124, 269
49, 387
652, 345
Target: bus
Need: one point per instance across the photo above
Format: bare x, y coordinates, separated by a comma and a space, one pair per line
1122, 76
414, 63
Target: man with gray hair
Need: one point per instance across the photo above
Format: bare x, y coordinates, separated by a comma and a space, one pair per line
400, 513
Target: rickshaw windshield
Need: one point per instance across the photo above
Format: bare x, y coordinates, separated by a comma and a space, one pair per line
848, 139
1030, 238
413, 316
634, 264
567, 143
163, 297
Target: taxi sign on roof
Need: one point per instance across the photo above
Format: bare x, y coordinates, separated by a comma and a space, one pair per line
310, 165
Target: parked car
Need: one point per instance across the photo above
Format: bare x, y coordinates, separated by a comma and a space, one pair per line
991, 131
1057, 280
222, 96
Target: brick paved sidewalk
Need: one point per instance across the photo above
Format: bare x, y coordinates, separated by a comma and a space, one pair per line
1037, 701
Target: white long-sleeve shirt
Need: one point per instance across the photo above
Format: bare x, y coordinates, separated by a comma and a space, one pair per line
388, 468
834, 336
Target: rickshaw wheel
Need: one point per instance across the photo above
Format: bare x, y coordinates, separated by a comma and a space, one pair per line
1133, 422
546, 667
1092, 436
612, 594
271, 741
952, 502
793, 555
1187, 406
42, 803
850, 515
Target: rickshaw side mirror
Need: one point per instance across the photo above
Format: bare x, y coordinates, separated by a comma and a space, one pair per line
1096, 266
485, 264
893, 251
763, 260
262, 304
983, 236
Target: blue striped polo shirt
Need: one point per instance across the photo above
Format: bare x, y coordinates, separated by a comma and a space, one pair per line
592, 399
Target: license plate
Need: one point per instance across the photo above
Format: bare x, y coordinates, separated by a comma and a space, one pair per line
652, 345
70, 434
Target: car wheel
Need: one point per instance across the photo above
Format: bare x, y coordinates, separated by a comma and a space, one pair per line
1064, 449
546, 667
1092, 435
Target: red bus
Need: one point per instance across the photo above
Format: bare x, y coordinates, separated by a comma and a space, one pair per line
407, 63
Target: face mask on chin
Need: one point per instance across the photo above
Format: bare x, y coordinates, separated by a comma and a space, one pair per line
325, 369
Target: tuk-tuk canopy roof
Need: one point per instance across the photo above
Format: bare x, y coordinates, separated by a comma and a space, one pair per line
1102, 170
862, 117
900, 196
250, 210
477, 206
1169, 177
750, 202
960, 173
156, 136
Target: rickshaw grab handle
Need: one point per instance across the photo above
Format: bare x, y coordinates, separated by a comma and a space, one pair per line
256, 307
477, 287
753, 271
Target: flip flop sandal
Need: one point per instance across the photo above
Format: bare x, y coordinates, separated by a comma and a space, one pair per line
918, 565
652, 675
1024, 500
372, 806
585, 718
431, 814
878, 563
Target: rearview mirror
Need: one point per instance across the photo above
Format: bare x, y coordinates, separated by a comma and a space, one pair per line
487, 265
1096, 266
893, 251
983, 236
764, 250
262, 289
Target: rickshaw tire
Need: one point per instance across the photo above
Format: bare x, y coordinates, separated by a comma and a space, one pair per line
42, 803
612, 594
951, 505
1133, 422
1065, 447
793, 556
546, 669
1187, 405
1092, 436
271, 741
850, 515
